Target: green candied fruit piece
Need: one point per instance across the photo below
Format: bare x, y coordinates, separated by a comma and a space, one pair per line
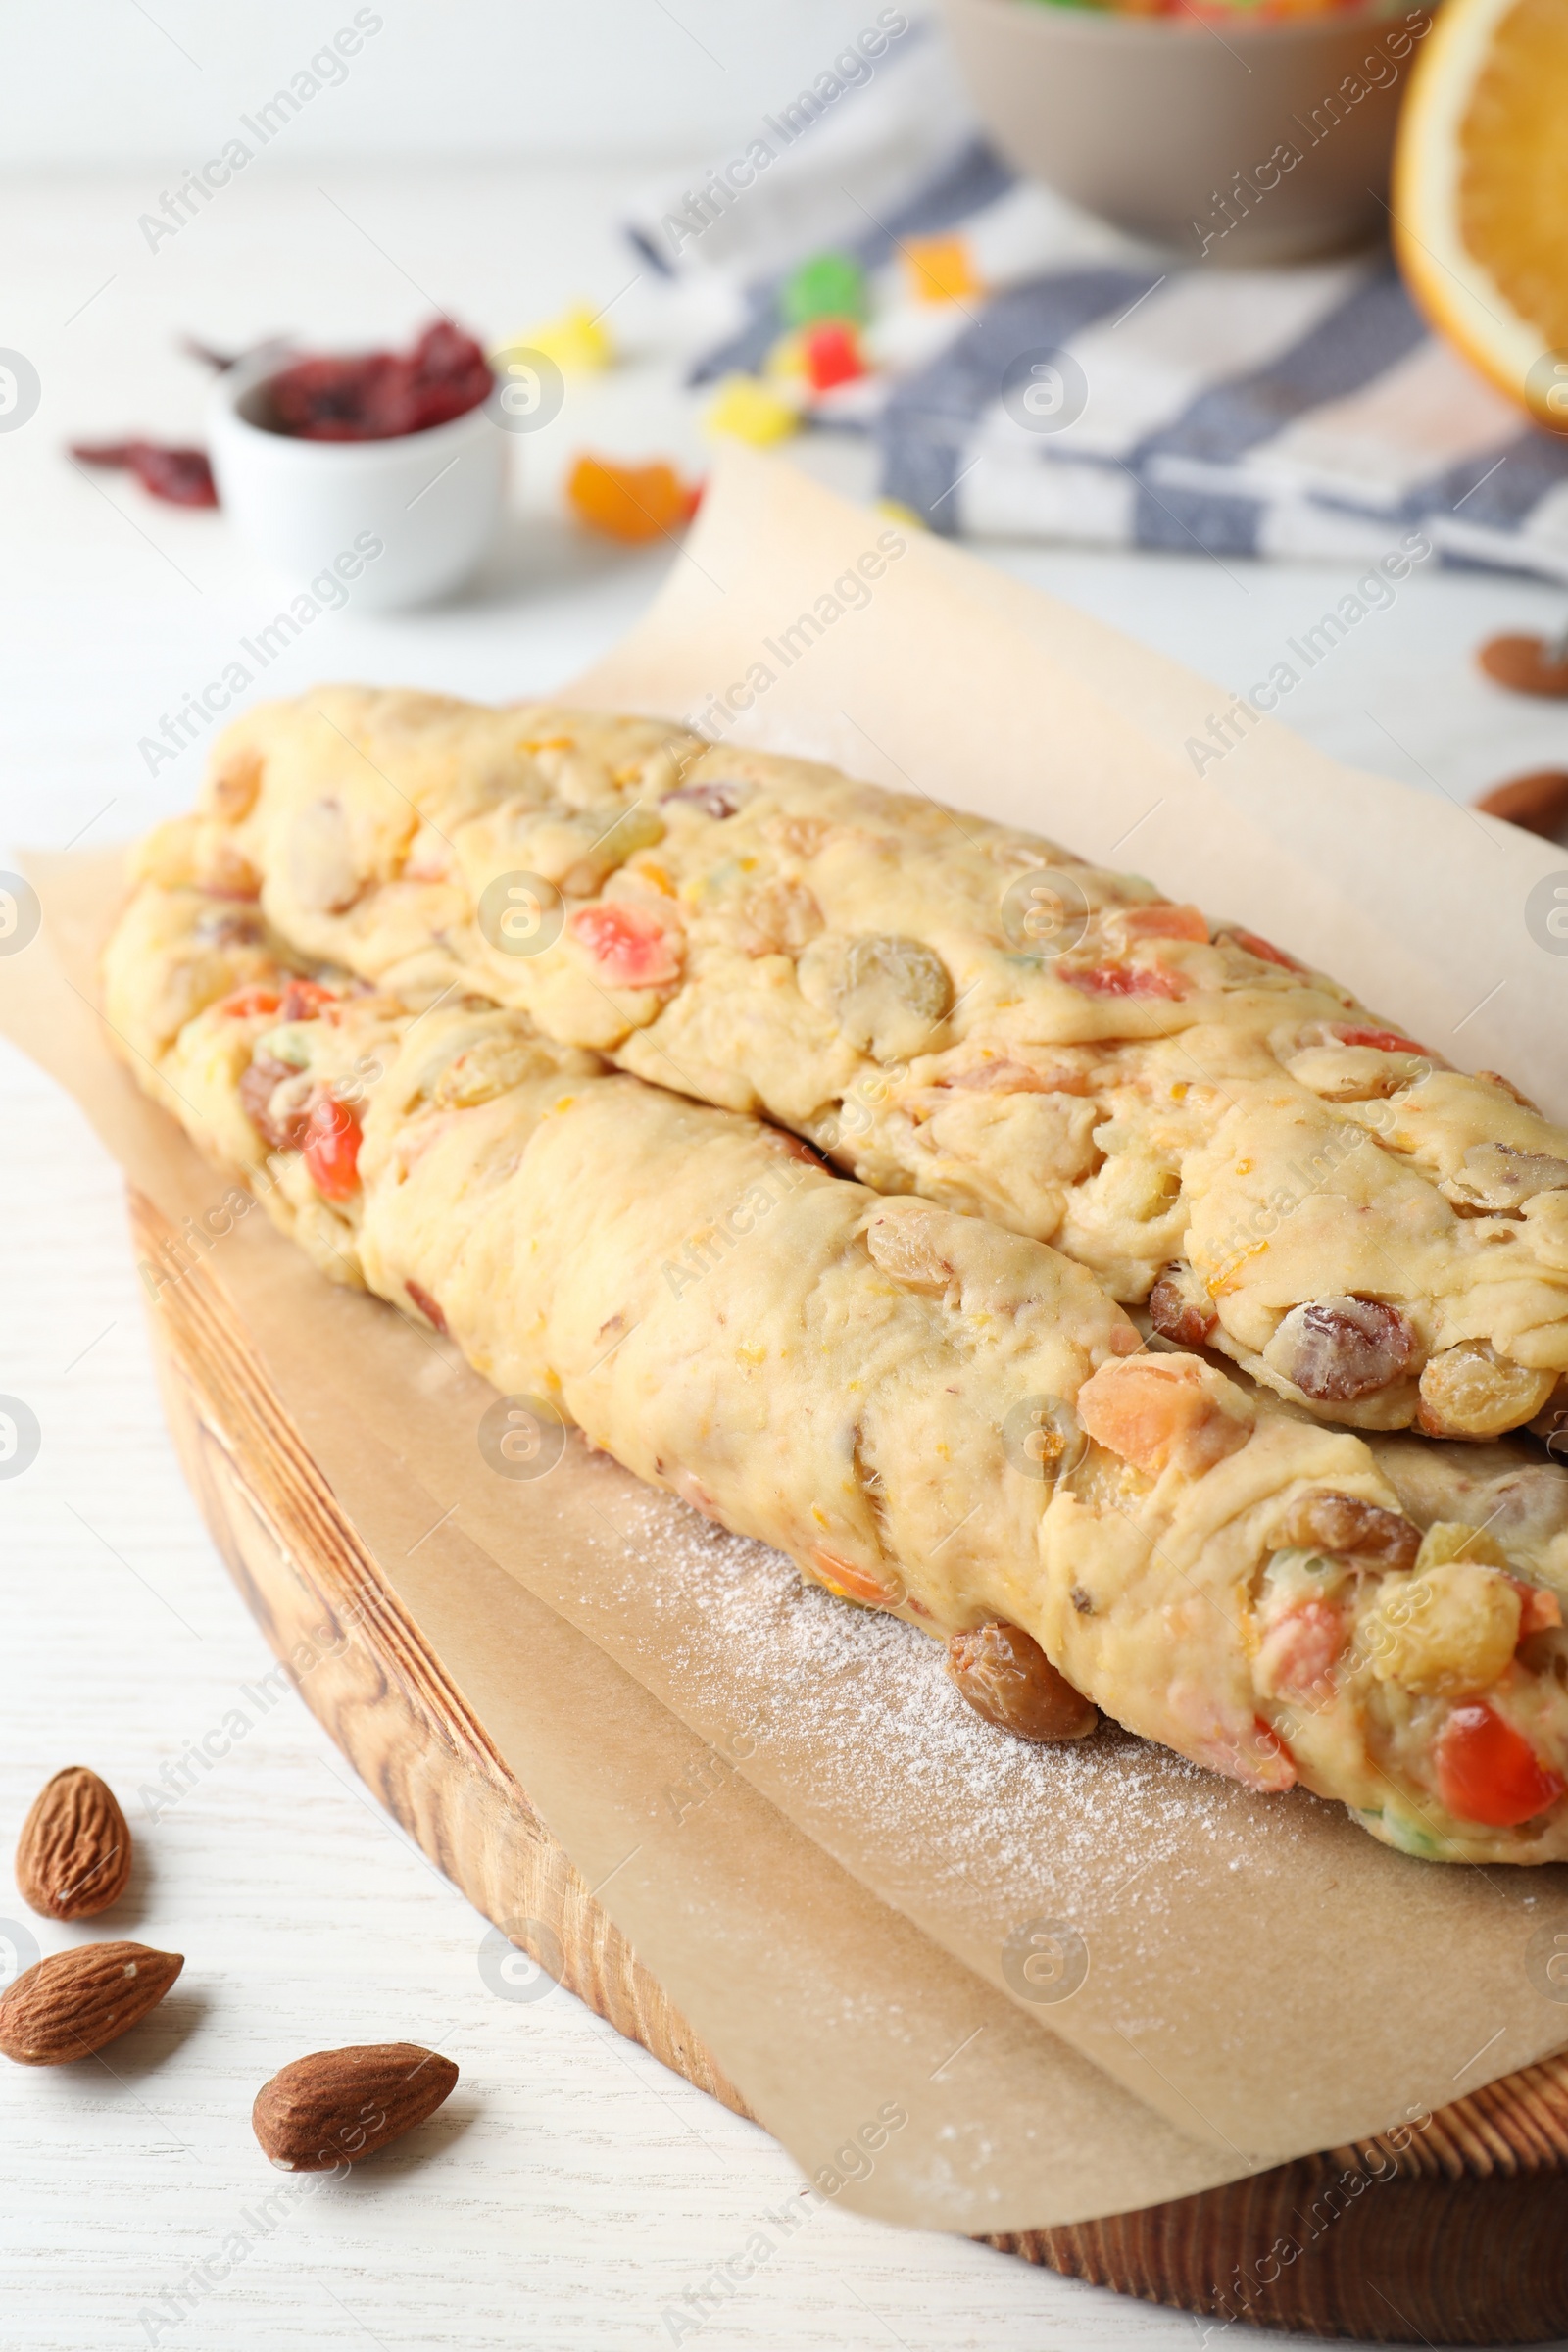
290, 1045
1399, 1831
830, 286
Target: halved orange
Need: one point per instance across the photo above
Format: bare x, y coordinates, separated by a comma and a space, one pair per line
1481, 193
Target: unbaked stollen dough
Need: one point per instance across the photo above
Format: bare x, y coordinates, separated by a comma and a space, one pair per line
945, 1006
929, 1413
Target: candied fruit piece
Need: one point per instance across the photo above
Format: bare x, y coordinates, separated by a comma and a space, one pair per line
940, 269
630, 502
829, 285
747, 409
575, 341
832, 354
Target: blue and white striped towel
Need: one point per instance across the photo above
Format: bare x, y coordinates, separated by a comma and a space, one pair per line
1274, 412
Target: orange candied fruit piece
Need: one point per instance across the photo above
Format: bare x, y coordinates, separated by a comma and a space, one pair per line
940, 269
630, 502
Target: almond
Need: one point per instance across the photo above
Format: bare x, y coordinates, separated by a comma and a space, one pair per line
1537, 802
69, 2006
73, 1855
339, 2106
1526, 665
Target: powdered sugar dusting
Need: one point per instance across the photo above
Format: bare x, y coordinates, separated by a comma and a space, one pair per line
847, 1719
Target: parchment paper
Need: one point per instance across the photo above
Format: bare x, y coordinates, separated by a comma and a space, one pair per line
1259, 1979
822, 2004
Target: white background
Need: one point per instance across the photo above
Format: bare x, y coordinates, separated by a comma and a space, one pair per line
112, 81
571, 2190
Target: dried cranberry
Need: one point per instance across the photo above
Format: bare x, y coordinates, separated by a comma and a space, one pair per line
1337, 1350
181, 476
379, 395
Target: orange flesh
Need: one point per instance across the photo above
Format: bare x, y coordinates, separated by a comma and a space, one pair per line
1513, 165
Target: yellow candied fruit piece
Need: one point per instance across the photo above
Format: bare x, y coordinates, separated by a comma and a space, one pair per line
897, 512
786, 360
1450, 1628
575, 340
747, 409
1451, 1540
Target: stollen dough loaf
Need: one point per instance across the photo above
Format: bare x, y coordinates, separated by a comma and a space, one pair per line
944, 1006
930, 1413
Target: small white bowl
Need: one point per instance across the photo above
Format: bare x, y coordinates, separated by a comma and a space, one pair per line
400, 523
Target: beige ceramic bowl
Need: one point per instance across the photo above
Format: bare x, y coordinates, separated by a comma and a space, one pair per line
1236, 142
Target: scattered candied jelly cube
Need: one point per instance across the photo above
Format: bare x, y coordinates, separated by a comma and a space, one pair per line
831, 352
630, 502
830, 286
940, 269
576, 341
747, 409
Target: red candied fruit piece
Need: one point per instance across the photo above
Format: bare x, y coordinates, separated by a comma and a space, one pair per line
1255, 945
629, 944
331, 1148
379, 395
1487, 1772
1386, 1041
1127, 980
1162, 921
832, 354
247, 1003
304, 1001
1303, 1648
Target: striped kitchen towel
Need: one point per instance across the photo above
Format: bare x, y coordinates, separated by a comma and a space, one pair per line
1097, 393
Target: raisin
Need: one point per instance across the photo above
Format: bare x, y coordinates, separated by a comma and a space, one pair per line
1338, 1349
428, 1308
1472, 1392
1178, 1316
1501, 1177
1344, 1523
284, 1132
1006, 1677
717, 801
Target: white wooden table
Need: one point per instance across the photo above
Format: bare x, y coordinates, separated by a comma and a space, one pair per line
572, 2190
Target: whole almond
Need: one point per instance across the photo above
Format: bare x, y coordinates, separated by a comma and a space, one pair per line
340, 2106
1537, 802
73, 1855
1526, 665
70, 2004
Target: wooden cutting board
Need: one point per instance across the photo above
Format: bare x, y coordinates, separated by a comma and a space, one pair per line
1455, 2238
